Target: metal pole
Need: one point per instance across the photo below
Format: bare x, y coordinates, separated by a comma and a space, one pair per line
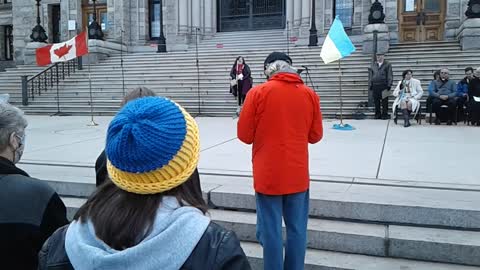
313, 41
162, 42
288, 37
198, 69
341, 93
121, 63
25, 90
92, 121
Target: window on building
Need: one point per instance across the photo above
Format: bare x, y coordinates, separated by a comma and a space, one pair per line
8, 42
155, 19
344, 9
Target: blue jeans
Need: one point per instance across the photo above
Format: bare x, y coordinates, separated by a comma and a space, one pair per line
294, 208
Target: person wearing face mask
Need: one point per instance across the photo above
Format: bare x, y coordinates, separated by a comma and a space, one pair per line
30, 210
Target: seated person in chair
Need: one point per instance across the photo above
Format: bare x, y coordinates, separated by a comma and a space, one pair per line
408, 92
444, 95
474, 98
462, 90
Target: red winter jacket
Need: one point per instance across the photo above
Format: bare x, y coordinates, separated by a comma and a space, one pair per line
280, 118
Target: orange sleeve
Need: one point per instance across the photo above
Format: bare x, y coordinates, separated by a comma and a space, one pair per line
246, 121
316, 129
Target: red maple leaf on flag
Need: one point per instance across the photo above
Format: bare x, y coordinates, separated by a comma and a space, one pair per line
62, 51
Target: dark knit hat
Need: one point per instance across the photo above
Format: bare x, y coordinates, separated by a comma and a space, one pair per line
275, 56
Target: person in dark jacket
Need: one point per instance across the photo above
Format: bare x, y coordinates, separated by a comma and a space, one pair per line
462, 90
148, 216
30, 210
101, 163
242, 80
444, 94
474, 98
381, 81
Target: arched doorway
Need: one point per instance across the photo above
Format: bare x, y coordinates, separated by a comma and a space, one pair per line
242, 15
421, 20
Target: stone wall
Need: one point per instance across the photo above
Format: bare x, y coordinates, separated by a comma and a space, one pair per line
24, 20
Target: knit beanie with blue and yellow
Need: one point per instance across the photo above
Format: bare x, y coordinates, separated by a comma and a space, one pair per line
152, 146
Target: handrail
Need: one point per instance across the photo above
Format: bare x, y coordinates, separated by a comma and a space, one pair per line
47, 79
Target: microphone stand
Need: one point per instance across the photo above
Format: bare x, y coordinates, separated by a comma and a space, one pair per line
309, 78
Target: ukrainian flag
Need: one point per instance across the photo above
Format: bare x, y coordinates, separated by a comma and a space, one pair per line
337, 45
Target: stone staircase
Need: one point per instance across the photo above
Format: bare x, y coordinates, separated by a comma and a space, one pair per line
374, 226
174, 74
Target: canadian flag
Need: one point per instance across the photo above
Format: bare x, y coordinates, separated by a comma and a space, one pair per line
62, 52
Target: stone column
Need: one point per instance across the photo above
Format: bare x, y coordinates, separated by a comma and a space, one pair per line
290, 12
306, 13
297, 14
469, 34
209, 18
183, 16
196, 13
453, 19
2, 42
23, 23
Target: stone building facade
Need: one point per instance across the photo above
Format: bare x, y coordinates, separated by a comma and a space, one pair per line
136, 23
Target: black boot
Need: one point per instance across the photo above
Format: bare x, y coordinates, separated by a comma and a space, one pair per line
406, 118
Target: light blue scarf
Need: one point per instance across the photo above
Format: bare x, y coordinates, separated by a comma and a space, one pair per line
176, 232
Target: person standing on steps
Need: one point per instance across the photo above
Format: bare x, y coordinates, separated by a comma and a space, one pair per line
241, 81
380, 84
280, 118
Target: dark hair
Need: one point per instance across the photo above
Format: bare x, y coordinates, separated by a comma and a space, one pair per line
138, 92
436, 74
405, 72
122, 219
236, 59
469, 69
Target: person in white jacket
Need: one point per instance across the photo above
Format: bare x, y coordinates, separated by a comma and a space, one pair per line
408, 94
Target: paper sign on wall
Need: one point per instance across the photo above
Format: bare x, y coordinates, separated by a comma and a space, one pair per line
72, 25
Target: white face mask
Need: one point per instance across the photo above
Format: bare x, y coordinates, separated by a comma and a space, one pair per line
17, 154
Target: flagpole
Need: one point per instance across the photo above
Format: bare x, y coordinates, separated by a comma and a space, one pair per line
341, 92
92, 121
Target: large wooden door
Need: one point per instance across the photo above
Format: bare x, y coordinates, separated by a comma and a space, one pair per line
421, 20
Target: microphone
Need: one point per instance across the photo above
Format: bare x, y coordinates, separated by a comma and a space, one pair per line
305, 67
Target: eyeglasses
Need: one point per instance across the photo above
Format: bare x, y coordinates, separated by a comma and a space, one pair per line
443, 72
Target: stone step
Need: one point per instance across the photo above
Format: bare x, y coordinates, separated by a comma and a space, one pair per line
388, 205
436, 245
328, 260
448, 246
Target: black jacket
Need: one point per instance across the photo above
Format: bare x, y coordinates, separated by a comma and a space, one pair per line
474, 87
381, 77
217, 249
30, 211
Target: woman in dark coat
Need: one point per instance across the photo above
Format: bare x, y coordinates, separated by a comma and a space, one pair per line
474, 98
241, 80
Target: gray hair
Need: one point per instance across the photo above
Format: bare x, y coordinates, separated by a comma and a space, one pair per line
477, 71
278, 66
12, 119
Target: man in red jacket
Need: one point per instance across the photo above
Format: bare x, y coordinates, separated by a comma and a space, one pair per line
281, 117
